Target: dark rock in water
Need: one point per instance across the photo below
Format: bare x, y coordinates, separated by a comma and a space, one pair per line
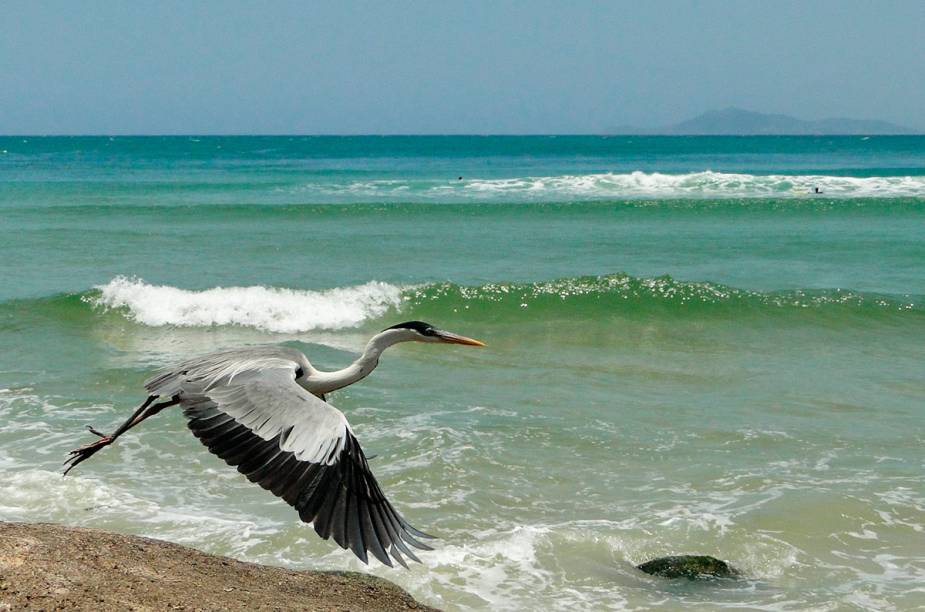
689, 566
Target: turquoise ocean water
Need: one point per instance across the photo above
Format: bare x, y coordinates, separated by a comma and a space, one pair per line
689, 351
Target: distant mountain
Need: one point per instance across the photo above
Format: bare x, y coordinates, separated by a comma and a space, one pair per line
739, 122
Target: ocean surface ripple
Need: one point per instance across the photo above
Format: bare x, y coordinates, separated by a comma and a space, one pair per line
689, 350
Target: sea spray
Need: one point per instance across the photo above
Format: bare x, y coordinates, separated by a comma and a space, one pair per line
267, 308
706, 184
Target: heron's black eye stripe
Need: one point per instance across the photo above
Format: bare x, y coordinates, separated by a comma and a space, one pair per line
421, 327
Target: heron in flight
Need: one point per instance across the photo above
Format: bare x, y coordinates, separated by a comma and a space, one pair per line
263, 410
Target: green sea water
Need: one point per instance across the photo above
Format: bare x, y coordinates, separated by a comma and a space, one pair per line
689, 351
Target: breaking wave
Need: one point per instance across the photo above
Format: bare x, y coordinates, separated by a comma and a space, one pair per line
378, 304
266, 308
632, 185
706, 184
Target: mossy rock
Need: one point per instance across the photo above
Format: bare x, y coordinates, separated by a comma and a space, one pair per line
693, 567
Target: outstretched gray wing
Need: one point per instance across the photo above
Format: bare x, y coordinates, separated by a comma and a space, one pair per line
248, 410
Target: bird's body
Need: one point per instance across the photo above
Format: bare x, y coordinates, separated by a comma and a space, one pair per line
261, 409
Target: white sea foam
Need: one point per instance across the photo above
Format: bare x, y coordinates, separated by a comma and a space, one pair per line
702, 184
265, 308
643, 185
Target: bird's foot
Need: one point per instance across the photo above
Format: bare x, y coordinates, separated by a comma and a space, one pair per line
86, 451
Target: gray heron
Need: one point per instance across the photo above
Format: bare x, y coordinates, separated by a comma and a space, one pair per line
263, 410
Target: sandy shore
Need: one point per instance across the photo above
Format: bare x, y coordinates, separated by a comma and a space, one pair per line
52, 567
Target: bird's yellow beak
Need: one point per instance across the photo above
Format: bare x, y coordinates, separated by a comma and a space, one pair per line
452, 338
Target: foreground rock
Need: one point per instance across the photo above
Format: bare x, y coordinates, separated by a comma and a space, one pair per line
689, 566
51, 567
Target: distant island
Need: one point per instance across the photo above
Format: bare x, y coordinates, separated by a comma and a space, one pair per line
739, 122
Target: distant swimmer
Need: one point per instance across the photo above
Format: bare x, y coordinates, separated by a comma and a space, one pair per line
459, 179
816, 190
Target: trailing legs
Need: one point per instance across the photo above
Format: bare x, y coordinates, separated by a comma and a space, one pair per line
141, 413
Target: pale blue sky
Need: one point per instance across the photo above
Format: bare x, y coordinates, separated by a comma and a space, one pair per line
442, 67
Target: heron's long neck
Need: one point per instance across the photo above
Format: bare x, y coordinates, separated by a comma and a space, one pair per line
325, 382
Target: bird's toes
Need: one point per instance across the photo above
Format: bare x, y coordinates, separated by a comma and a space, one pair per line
95, 432
79, 455
70, 462
87, 450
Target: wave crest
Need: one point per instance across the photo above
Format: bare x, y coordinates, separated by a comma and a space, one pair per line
609, 185
625, 294
266, 308
281, 310
702, 184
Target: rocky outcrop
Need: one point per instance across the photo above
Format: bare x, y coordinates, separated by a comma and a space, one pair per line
693, 567
52, 567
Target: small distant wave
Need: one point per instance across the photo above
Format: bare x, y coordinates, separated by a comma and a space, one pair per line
266, 308
633, 185
707, 184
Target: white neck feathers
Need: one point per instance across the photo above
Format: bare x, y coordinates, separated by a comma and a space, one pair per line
325, 382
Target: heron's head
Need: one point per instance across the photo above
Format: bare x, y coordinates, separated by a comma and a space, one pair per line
319, 383
419, 331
